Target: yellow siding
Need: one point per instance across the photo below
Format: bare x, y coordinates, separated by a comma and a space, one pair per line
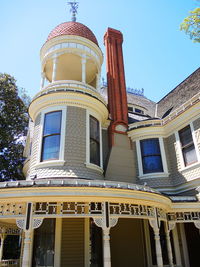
72, 243
127, 244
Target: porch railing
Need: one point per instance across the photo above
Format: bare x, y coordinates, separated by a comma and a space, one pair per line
9, 263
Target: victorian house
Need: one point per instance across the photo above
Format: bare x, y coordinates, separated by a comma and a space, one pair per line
112, 178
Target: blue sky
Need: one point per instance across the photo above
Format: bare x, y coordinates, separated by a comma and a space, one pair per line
157, 55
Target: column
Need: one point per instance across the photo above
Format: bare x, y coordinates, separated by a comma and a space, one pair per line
169, 247
106, 247
3, 236
98, 80
158, 248
155, 225
42, 80
26, 260
83, 62
55, 63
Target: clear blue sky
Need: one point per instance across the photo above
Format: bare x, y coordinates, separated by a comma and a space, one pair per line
157, 55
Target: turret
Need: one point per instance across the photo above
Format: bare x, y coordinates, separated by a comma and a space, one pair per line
68, 112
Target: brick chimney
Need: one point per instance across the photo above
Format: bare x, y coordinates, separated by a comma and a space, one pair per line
117, 97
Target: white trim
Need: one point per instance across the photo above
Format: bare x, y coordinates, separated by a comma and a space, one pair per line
163, 159
163, 155
88, 163
60, 161
50, 163
154, 175
94, 167
58, 239
195, 141
184, 168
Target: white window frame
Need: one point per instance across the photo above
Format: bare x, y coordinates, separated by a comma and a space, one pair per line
179, 148
60, 161
88, 163
163, 158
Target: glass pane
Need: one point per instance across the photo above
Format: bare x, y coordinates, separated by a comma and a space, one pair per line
52, 123
152, 164
94, 128
189, 155
51, 147
150, 147
43, 251
94, 152
185, 136
12, 247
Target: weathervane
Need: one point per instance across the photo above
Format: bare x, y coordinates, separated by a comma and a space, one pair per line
73, 10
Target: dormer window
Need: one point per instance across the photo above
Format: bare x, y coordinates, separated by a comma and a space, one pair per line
51, 136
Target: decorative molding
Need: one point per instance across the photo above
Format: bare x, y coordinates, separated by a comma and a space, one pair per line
197, 224
21, 223
154, 224
37, 223
171, 226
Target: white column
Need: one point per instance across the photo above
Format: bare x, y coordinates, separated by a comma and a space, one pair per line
169, 247
3, 236
98, 75
158, 247
83, 62
106, 247
42, 80
55, 62
26, 260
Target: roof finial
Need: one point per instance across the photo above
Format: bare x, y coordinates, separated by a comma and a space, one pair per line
73, 10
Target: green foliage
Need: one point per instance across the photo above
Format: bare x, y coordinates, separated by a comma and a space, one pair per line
13, 126
191, 25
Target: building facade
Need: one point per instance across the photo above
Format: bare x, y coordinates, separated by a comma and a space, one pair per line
112, 178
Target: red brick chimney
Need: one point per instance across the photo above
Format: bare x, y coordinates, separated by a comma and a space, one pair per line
117, 97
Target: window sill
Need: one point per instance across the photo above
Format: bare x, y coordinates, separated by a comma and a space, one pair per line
50, 163
190, 167
154, 175
94, 167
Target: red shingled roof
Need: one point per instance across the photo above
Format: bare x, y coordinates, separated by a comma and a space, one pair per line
73, 28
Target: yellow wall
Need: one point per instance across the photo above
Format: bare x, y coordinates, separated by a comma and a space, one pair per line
72, 243
127, 244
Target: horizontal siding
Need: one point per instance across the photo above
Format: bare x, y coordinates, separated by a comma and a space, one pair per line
72, 246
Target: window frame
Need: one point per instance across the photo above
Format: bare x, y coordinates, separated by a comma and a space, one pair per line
52, 162
88, 163
143, 175
183, 166
46, 136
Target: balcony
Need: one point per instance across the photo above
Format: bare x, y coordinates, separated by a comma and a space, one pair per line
70, 86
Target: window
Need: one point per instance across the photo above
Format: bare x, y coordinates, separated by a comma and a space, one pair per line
137, 110
151, 156
44, 244
187, 146
51, 136
94, 141
130, 108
